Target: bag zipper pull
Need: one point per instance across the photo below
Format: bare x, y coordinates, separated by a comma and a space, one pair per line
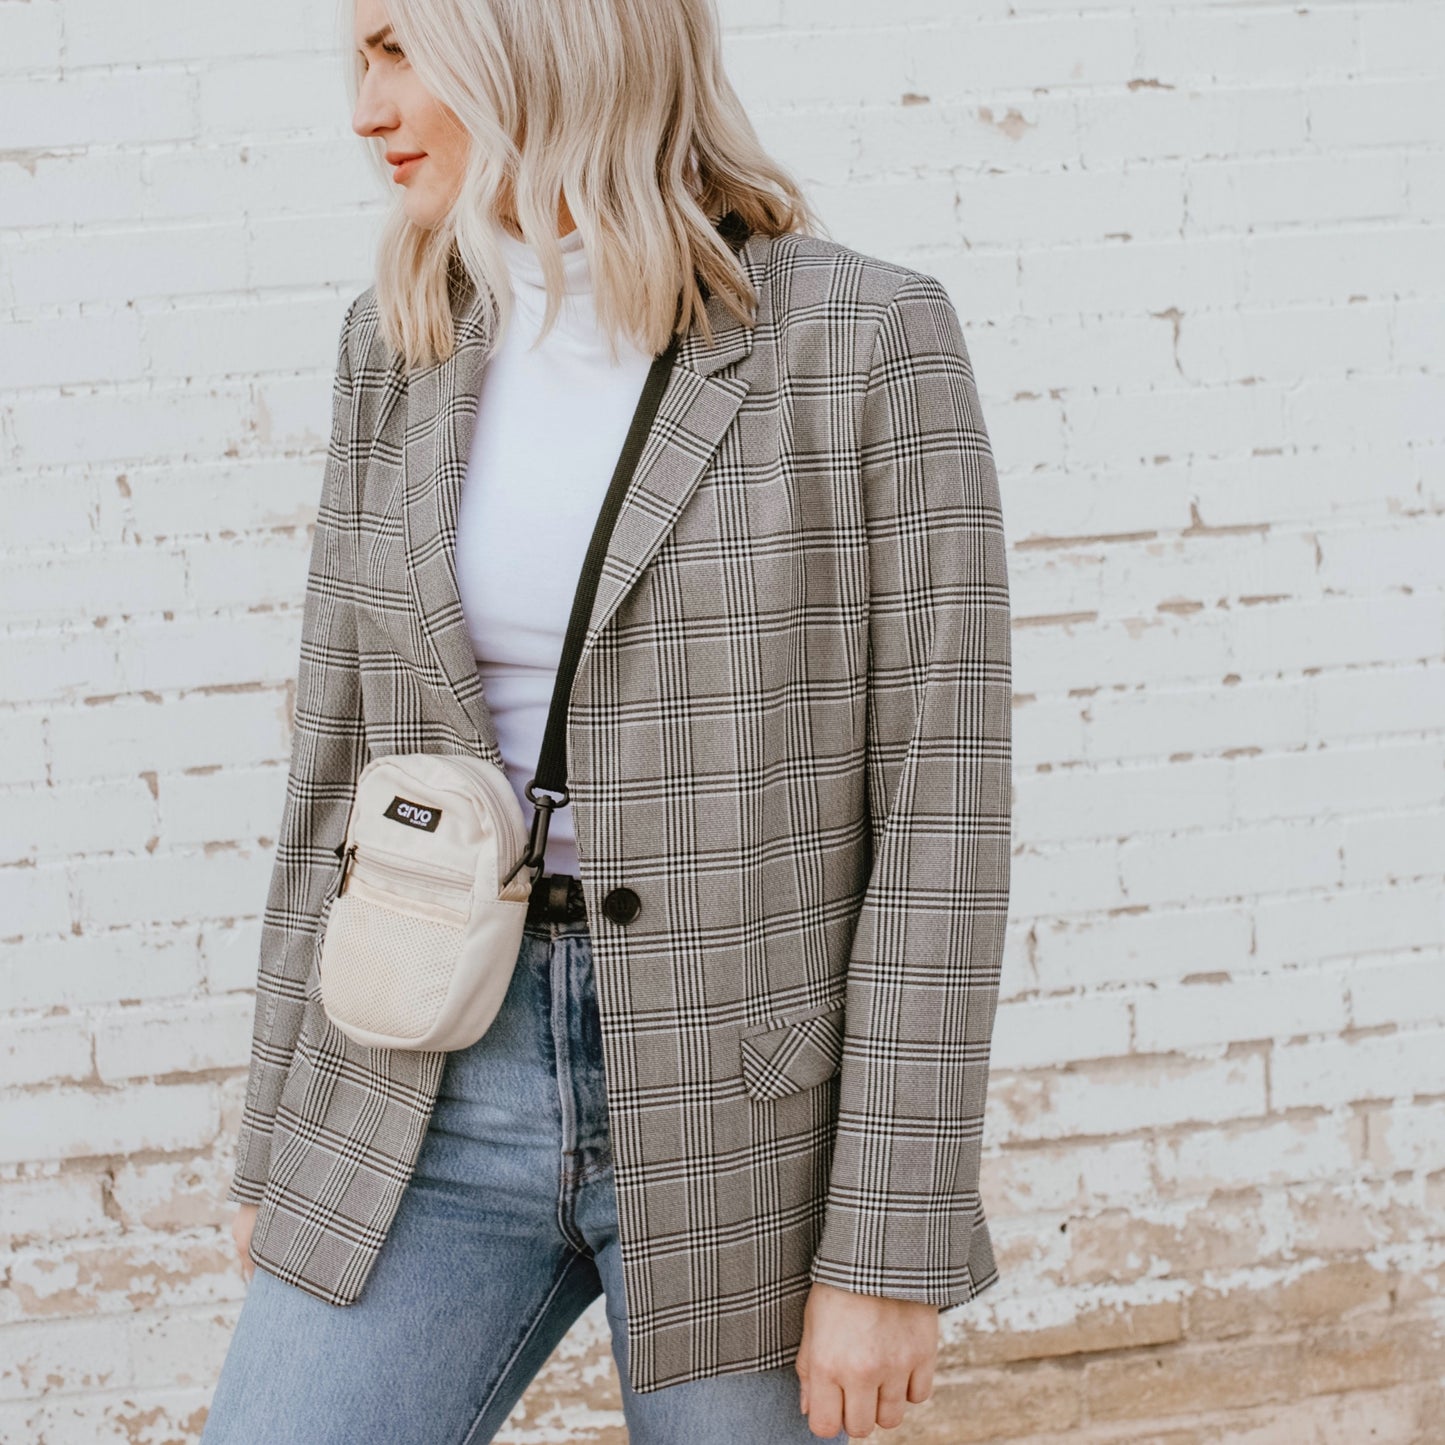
346, 855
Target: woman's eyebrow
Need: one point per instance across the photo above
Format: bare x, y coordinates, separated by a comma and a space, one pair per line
374, 40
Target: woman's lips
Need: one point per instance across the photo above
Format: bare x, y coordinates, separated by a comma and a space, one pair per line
402, 169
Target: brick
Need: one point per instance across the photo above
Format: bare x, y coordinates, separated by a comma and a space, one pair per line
1408, 846
1233, 195
153, 1042
1190, 1239
235, 729
65, 351
1380, 701
98, 33
1269, 714
1223, 864
69, 1123
42, 1050
1158, 121
1333, 1220
1383, 111
221, 806
115, 266
1110, 1097
1039, 1033
141, 1273
1231, 346
1321, 1293
172, 1194
289, 334
312, 249
1393, 1065
229, 952
1290, 486
44, 586
1302, 1147
1340, 924
1066, 1175
992, 1404
71, 822
1390, 1414
111, 427
1407, 1137
1132, 945
305, 92
34, 37
250, 495
1210, 1011
170, 887
1075, 803
52, 112
153, 654
1201, 43
70, 970
1022, 207
51, 1206
85, 1353
1087, 1325
1390, 988
81, 509
22, 759
38, 894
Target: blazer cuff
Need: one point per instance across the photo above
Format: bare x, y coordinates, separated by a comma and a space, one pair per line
253, 1164
245, 1192
898, 1257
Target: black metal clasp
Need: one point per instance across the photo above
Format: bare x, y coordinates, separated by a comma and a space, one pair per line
536, 849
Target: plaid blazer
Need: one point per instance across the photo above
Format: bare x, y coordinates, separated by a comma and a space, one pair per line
789, 735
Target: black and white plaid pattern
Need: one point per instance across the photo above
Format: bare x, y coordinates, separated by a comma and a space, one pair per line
789, 735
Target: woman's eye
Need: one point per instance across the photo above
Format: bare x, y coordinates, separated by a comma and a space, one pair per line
392, 49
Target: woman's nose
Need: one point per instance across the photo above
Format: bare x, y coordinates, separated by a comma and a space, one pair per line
374, 112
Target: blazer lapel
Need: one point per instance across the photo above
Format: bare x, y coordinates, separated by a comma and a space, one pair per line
696, 409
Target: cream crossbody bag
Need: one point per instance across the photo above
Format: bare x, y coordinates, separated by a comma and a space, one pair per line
417, 943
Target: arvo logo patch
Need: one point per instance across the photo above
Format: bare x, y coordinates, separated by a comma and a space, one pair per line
416, 815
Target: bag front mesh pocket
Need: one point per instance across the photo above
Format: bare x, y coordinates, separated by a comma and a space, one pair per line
383, 970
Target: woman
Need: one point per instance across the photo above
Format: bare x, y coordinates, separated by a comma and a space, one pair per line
737, 1084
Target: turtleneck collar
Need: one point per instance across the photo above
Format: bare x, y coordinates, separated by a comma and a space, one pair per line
525, 266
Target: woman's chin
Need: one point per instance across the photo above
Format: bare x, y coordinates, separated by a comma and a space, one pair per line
421, 210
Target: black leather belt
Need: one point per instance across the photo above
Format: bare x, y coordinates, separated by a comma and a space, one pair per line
556, 898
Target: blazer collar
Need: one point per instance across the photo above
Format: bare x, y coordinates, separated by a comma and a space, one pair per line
698, 405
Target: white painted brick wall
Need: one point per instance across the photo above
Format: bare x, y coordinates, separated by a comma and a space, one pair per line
1197, 252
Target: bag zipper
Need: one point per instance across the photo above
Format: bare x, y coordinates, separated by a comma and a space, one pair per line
448, 888
425, 874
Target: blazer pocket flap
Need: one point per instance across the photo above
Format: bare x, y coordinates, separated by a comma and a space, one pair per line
795, 1055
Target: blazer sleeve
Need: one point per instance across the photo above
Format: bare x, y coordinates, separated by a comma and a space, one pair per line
327, 753
923, 973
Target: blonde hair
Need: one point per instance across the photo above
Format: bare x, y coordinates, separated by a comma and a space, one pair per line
620, 105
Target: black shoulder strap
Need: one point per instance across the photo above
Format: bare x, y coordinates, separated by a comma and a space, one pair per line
552, 765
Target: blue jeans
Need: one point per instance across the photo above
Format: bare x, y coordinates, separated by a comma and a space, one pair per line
506, 1232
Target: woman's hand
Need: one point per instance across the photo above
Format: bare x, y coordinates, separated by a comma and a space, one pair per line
863, 1358
241, 1227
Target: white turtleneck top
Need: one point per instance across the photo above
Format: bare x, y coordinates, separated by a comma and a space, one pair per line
550, 426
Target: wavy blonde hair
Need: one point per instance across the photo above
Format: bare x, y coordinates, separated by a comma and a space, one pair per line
620, 105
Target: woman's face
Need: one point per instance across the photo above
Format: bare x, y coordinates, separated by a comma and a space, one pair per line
416, 127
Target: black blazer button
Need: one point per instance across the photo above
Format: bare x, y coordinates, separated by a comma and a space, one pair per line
621, 905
